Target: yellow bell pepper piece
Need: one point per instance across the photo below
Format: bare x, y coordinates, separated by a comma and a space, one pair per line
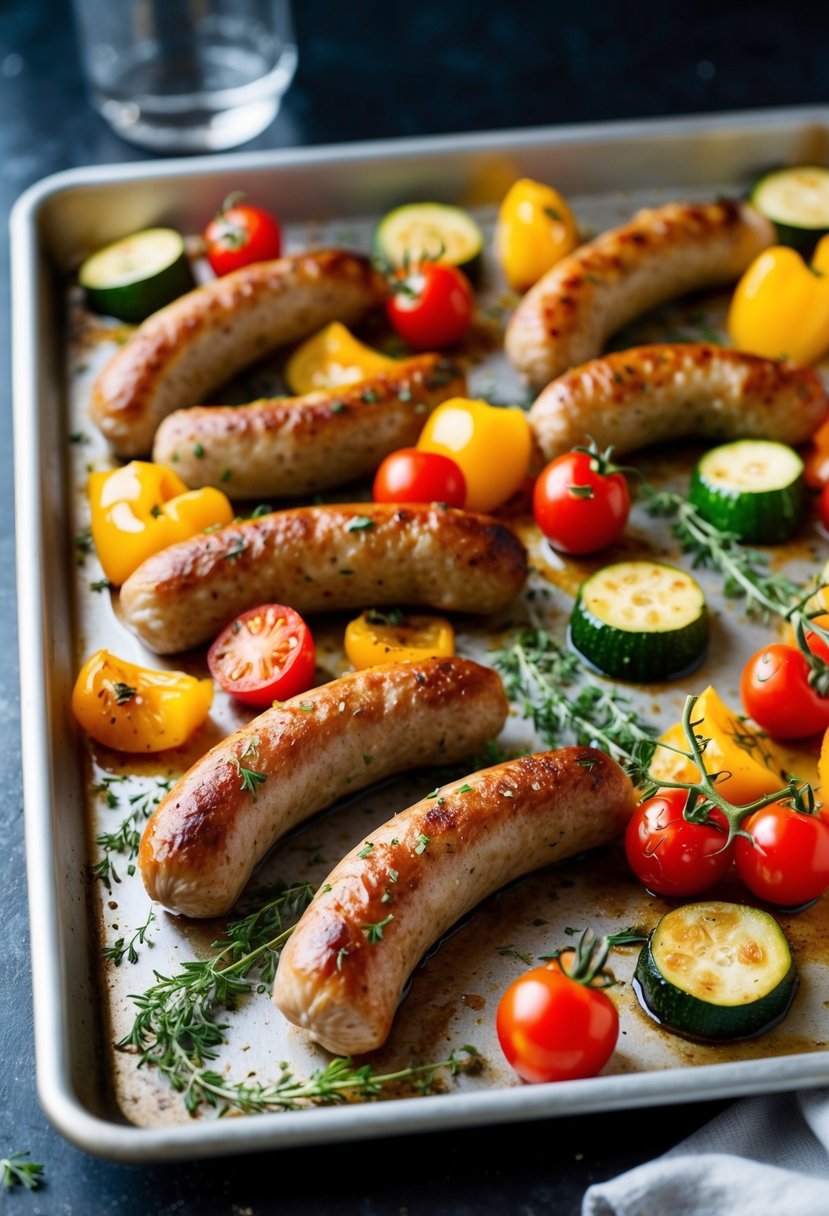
134, 709
391, 637
142, 508
331, 358
734, 747
535, 229
490, 444
780, 307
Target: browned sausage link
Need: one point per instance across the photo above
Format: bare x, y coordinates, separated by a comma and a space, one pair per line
652, 394
343, 971
287, 447
203, 841
324, 559
568, 316
197, 343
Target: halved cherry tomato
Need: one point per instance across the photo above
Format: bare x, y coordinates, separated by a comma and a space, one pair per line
410, 475
577, 507
490, 444
240, 234
786, 862
777, 694
671, 856
265, 655
395, 637
431, 305
553, 1028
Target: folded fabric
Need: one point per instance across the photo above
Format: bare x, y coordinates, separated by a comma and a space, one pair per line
762, 1155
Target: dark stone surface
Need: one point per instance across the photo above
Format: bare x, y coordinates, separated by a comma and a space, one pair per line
372, 69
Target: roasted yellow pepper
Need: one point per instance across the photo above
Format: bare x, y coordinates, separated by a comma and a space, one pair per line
331, 358
392, 637
490, 444
142, 508
535, 229
780, 306
133, 709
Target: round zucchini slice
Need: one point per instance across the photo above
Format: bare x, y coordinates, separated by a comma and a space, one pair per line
137, 275
754, 488
797, 202
641, 621
716, 971
435, 231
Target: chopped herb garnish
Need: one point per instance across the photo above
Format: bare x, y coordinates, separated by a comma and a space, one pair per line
394, 617
123, 692
155, 510
341, 954
368, 758
115, 953
366, 849
78, 437
360, 523
251, 778
83, 545
99, 584
422, 843
370, 396
264, 508
580, 491
15, 1170
198, 451
466, 788
337, 407
374, 933
393, 875
237, 550
307, 707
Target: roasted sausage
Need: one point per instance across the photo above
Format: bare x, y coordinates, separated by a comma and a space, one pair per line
342, 972
568, 316
200, 341
652, 394
291, 446
202, 842
324, 559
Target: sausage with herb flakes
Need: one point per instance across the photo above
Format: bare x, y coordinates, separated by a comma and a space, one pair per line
324, 559
667, 391
230, 808
342, 973
200, 341
286, 447
567, 317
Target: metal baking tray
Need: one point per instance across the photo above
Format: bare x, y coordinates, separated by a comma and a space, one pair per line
94, 1101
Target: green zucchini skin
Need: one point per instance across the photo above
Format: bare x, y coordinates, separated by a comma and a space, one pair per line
444, 223
694, 1017
801, 233
135, 295
638, 656
761, 517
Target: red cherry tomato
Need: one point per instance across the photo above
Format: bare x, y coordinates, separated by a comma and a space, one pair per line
431, 305
265, 655
823, 504
787, 860
410, 475
777, 694
671, 856
578, 508
553, 1028
240, 234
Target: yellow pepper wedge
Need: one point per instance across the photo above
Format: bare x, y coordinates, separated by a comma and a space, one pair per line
133, 709
490, 444
780, 306
734, 747
391, 637
142, 508
535, 229
331, 358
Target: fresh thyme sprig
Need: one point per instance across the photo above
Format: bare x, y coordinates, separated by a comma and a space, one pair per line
115, 953
126, 838
536, 671
16, 1169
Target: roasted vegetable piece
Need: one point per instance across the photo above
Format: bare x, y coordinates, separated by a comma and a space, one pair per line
780, 306
535, 229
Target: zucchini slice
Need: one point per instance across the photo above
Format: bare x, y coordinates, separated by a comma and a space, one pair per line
436, 231
715, 971
641, 621
797, 202
137, 275
754, 488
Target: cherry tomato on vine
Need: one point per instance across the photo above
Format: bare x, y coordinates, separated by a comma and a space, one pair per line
579, 508
554, 1028
431, 305
671, 856
240, 234
264, 655
776, 693
410, 475
787, 860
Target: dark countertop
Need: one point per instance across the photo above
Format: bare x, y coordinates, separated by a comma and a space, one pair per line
368, 70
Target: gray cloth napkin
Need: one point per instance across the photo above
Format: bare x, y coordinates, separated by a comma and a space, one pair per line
767, 1155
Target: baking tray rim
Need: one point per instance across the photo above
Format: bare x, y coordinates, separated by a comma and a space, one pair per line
127, 1142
